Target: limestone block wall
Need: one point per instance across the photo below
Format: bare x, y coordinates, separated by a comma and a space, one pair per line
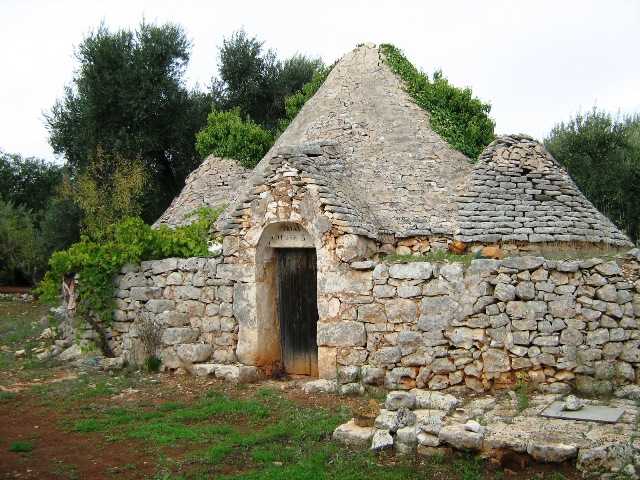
486, 326
407, 325
190, 301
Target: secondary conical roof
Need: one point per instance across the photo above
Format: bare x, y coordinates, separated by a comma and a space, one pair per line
519, 193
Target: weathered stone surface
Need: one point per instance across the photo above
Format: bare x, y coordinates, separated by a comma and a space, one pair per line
613, 452
239, 373
159, 306
399, 399
350, 281
351, 434
381, 439
434, 400
549, 448
74, 352
523, 263
341, 334
372, 375
404, 417
204, 369
175, 335
505, 292
609, 268
607, 293
401, 310
631, 351
461, 439
496, 361
319, 386
427, 440
164, 265
144, 293
463, 337
413, 270
173, 319
407, 435
194, 352
526, 290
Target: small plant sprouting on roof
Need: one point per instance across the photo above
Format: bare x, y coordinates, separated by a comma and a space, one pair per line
456, 115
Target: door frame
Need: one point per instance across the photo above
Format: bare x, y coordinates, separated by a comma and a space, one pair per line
298, 341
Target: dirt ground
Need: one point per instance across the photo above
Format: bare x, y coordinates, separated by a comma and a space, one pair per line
63, 453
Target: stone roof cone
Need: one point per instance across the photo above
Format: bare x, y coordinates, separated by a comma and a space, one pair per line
389, 171
519, 193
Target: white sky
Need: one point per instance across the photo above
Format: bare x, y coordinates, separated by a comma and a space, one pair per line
537, 62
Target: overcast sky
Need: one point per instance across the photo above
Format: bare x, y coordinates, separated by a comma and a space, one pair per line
537, 62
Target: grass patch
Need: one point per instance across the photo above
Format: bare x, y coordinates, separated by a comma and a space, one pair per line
21, 447
6, 397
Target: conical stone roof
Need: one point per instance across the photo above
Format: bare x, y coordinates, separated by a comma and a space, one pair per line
213, 184
398, 174
519, 193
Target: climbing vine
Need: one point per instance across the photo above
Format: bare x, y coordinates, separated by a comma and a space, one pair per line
456, 115
96, 263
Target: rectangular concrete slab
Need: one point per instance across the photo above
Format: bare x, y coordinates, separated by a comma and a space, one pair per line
593, 413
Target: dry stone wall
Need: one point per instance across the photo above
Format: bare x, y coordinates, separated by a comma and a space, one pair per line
191, 303
408, 325
540, 321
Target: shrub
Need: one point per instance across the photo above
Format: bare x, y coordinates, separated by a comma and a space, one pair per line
228, 135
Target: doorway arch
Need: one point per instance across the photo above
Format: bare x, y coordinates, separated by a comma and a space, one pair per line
286, 299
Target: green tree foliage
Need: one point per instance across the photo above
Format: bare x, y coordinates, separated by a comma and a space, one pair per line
228, 135
59, 227
20, 257
28, 182
107, 189
96, 262
602, 155
456, 115
256, 82
128, 95
295, 102
33, 223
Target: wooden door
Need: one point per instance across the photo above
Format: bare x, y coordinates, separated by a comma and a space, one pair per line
298, 309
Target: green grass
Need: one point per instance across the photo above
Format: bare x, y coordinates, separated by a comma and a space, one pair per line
20, 326
21, 447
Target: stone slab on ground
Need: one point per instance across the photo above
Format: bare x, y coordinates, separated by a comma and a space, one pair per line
592, 442
592, 413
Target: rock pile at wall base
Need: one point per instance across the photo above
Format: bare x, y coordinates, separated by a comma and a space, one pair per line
491, 426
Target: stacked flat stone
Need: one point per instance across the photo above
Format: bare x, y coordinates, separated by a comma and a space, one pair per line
412, 325
433, 423
316, 166
519, 193
213, 184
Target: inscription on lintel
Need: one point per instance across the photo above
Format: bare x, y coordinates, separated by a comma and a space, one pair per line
291, 236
